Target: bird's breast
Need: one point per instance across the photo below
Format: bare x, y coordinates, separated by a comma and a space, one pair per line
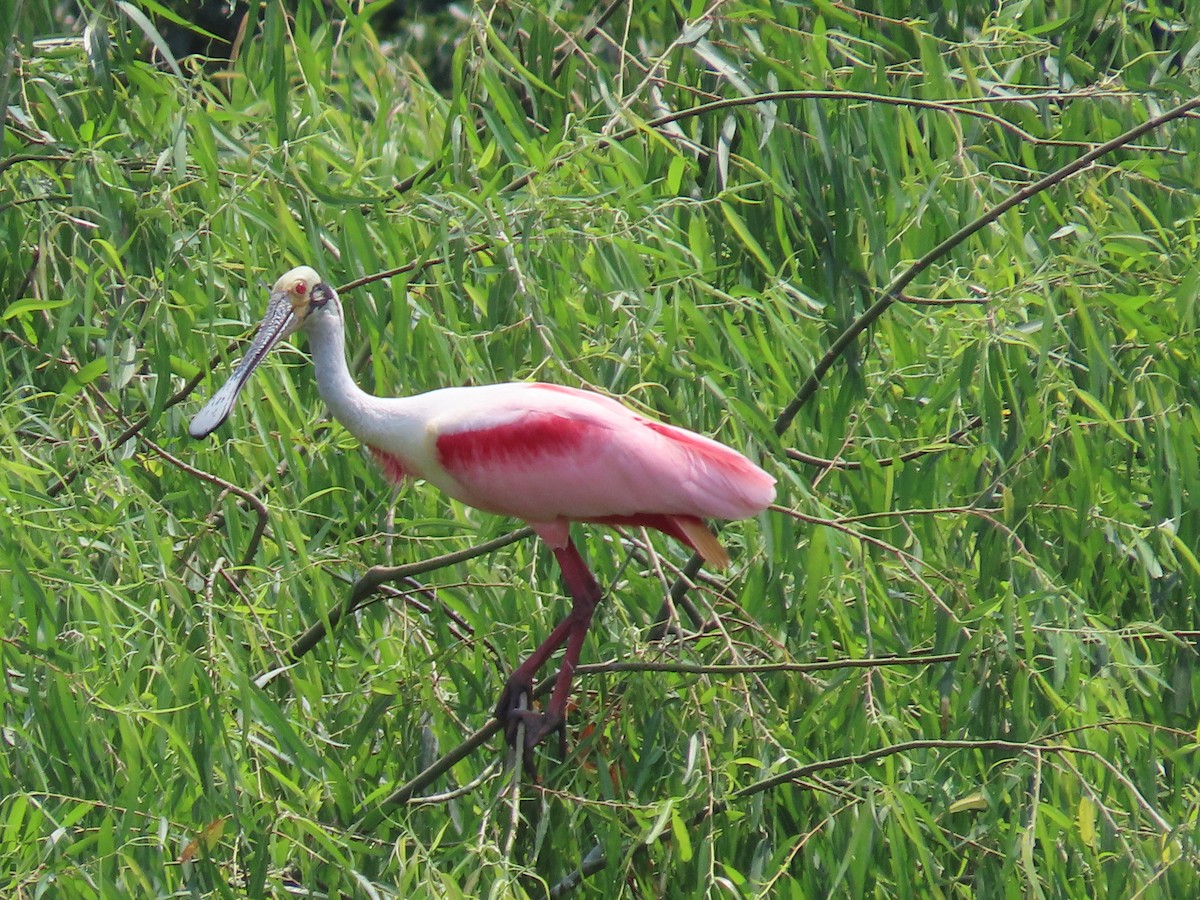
394, 468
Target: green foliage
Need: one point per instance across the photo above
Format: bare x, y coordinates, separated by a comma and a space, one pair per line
1010, 479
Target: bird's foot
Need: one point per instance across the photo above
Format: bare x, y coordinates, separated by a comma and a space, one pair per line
516, 696
538, 726
512, 710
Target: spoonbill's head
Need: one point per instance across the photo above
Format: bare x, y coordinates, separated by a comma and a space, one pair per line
297, 294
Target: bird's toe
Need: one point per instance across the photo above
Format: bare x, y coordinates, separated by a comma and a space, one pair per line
514, 699
538, 726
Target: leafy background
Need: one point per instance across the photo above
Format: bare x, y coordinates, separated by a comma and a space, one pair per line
958, 660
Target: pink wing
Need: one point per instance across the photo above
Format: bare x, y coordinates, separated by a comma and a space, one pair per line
558, 454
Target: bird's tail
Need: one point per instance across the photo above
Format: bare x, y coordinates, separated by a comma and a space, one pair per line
703, 540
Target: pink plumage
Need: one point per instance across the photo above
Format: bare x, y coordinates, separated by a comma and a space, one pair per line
547, 454
551, 455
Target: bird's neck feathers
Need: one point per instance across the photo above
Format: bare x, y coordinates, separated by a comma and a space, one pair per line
369, 418
348, 403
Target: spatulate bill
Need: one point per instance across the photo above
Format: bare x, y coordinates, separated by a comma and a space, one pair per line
278, 323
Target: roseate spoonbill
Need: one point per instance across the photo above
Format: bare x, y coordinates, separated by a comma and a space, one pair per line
547, 454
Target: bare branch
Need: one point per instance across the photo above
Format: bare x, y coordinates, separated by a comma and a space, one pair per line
260, 508
894, 290
951, 440
377, 576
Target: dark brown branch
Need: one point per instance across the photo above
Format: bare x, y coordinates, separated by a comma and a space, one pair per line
132, 430
377, 576
944, 301
561, 51
10, 161
36, 254
407, 184
952, 440
894, 290
458, 627
401, 270
677, 596
260, 508
368, 819
39, 198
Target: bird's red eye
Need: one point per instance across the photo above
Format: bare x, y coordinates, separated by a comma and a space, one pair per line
301, 288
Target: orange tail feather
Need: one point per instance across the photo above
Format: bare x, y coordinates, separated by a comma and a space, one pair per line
705, 542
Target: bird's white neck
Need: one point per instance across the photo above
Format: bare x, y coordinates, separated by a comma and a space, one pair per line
357, 410
392, 426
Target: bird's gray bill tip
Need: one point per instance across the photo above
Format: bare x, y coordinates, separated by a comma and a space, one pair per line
205, 423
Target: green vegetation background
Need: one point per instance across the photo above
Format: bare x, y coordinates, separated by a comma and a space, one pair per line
682, 205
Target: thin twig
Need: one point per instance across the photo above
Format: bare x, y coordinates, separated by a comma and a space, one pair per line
136, 427
825, 665
561, 51
446, 796
944, 301
260, 508
404, 269
894, 290
377, 576
517, 769
955, 439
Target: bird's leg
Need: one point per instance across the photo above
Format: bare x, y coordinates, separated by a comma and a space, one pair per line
585, 594
521, 680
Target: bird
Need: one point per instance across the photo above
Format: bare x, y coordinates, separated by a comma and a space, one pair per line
544, 453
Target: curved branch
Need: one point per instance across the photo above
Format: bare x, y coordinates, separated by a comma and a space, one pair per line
595, 860
861, 759
894, 290
954, 107
260, 508
370, 818
952, 440
376, 576
10, 161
